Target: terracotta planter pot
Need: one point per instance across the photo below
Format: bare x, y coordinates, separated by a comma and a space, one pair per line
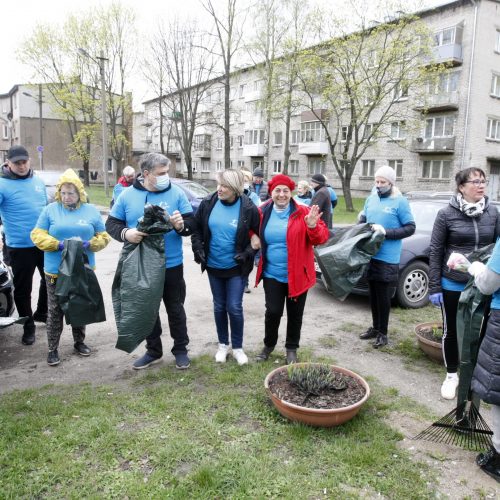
318, 417
431, 348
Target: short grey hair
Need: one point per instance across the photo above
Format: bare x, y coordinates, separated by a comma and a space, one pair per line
128, 170
149, 161
233, 179
305, 185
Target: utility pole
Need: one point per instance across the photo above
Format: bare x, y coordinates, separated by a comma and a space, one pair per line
39, 100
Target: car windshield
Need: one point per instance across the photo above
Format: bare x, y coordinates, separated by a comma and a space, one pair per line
425, 213
197, 189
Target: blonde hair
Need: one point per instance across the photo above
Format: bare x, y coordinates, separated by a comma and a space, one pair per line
247, 175
233, 179
305, 185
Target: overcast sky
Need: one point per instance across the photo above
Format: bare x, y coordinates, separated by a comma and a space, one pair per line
22, 16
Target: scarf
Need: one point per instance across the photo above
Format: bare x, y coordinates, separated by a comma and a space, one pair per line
471, 209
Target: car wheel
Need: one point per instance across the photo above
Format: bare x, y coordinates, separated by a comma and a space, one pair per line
413, 285
6, 304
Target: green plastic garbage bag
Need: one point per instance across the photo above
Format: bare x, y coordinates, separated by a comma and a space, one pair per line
472, 316
344, 257
77, 290
137, 287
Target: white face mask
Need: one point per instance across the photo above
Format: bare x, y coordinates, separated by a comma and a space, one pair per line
162, 181
246, 185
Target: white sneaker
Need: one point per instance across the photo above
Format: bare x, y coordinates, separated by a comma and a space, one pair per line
240, 357
449, 387
221, 354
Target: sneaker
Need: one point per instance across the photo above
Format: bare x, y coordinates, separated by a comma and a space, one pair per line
145, 361
240, 356
40, 317
247, 290
264, 354
291, 356
221, 354
490, 463
381, 341
371, 333
182, 361
53, 358
29, 335
82, 349
449, 387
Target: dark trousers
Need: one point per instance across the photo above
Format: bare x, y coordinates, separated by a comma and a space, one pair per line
174, 295
276, 294
381, 293
24, 261
450, 343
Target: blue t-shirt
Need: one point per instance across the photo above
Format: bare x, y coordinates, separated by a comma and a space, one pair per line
21, 202
302, 201
62, 224
451, 285
129, 207
333, 195
494, 265
254, 197
117, 190
276, 263
223, 223
391, 213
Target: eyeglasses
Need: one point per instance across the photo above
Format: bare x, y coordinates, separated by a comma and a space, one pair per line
478, 182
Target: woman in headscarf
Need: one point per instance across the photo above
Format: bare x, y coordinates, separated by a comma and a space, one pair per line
288, 231
69, 216
388, 211
467, 223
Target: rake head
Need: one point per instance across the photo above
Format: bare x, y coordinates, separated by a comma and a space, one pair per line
463, 427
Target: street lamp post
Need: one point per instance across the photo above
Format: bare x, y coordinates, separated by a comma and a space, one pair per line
100, 60
39, 100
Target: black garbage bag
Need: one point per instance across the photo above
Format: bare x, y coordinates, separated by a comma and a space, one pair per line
344, 257
77, 290
137, 287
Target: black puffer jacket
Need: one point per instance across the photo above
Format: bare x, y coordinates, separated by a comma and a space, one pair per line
454, 231
248, 220
322, 199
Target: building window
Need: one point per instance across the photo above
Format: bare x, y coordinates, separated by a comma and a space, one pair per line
241, 163
242, 90
232, 93
400, 92
218, 166
344, 132
293, 167
194, 166
240, 141
205, 165
111, 162
370, 96
445, 36
397, 165
201, 142
5, 132
447, 82
398, 131
371, 59
312, 132
295, 136
316, 166
278, 138
367, 168
368, 132
495, 85
276, 166
436, 169
439, 126
254, 137
219, 143
493, 129
231, 142
497, 41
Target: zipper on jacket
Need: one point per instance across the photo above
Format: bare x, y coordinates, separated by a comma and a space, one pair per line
476, 231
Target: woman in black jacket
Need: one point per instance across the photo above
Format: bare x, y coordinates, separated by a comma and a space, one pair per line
469, 222
221, 244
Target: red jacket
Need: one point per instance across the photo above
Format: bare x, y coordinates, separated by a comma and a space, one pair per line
299, 241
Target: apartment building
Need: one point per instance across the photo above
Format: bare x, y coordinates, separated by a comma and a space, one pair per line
459, 121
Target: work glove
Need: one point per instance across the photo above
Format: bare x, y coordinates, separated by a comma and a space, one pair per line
199, 257
377, 228
476, 268
60, 245
436, 299
86, 244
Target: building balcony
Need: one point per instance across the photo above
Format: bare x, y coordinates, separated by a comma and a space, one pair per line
254, 95
313, 148
434, 145
446, 101
202, 152
148, 140
450, 54
254, 150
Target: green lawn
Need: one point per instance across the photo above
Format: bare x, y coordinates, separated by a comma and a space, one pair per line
209, 432
98, 196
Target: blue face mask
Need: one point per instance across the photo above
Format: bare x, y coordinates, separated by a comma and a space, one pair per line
162, 182
381, 190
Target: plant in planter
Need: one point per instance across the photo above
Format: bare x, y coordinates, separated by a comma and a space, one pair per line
429, 336
317, 394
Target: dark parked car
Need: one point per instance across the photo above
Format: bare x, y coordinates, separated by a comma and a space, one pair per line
413, 284
195, 192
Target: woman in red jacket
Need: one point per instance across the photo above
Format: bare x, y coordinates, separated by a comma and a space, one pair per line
288, 232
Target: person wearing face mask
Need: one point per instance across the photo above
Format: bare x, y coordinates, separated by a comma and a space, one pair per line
247, 187
389, 213
321, 197
467, 223
153, 186
69, 216
22, 198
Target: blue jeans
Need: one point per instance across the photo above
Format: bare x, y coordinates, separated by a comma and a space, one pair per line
228, 303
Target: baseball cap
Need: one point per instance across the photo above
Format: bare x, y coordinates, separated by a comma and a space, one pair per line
17, 153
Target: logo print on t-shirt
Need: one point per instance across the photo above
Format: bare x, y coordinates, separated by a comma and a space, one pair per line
82, 222
234, 223
389, 210
164, 205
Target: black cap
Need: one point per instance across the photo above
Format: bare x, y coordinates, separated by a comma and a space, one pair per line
319, 179
17, 153
258, 172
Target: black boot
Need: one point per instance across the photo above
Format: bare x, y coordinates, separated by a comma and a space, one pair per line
371, 333
291, 356
264, 354
381, 341
490, 463
29, 334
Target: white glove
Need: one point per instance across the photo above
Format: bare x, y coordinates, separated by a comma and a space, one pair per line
476, 268
377, 228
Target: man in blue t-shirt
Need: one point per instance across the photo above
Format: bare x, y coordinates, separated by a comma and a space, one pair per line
153, 186
22, 198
